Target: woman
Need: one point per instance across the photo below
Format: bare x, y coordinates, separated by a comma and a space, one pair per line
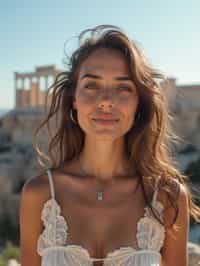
111, 194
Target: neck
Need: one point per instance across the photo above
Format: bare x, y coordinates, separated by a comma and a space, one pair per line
104, 171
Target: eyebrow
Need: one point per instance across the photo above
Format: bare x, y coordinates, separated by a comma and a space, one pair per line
88, 75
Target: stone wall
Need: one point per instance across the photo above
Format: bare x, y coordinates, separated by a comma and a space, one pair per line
34, 95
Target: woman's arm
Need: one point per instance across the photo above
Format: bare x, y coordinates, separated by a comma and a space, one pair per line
30, 223
175, 251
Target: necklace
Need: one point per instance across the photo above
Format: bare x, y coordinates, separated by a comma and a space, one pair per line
99, 194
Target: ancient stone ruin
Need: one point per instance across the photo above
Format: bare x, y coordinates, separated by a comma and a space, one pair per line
29, 91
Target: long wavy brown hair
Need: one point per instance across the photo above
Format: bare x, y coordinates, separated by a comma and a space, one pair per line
149, 143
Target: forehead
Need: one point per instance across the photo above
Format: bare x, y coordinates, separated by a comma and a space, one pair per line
106, 61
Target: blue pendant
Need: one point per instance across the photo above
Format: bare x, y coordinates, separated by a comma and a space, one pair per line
100, 195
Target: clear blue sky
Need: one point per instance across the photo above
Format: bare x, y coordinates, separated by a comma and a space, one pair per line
32, 33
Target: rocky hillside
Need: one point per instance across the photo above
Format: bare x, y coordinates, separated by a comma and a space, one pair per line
17, 157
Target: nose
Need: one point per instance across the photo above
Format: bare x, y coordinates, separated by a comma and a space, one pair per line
106, 99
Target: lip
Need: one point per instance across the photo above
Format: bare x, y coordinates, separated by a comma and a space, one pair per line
106, 121
106, 118
103, 119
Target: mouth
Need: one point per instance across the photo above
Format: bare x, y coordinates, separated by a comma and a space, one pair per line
106, 121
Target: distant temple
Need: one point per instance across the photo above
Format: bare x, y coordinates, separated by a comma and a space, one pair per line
33, 94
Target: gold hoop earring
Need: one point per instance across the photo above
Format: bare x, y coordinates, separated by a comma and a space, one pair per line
71, 116
138, 116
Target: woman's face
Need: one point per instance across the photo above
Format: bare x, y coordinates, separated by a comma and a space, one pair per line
105, 90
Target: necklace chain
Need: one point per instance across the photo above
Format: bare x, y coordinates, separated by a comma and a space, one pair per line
100, 194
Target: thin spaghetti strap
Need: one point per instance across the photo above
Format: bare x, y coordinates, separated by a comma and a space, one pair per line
156, 189
51, 183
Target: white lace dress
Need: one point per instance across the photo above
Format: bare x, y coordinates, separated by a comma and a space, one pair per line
52, 245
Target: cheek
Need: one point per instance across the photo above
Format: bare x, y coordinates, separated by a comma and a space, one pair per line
129, 103
128, 107
85, 98
84, 105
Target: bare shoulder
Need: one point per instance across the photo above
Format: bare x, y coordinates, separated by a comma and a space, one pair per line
35, 193
174, 187
178, 195
37, 187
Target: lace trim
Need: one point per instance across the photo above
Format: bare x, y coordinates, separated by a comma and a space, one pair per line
122, 252
55, 232
150, 233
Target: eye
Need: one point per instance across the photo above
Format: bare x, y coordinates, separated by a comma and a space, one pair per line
125, 87
91, 86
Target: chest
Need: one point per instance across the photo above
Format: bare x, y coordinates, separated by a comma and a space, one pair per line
101, 226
